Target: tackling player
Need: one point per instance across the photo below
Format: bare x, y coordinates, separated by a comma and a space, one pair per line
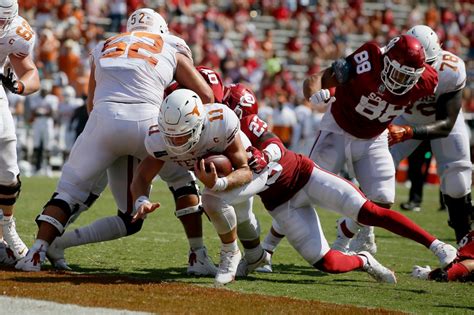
439, 118
17, 40
295, 184
374, 85
129, 74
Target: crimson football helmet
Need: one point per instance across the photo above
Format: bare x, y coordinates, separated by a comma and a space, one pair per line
403, 64
210, 76
240, 99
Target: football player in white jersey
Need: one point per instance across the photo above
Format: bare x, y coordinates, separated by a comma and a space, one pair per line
439, 118
129, 74
186, 132
17, 40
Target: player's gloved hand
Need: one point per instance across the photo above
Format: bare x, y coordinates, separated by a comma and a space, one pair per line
10, 83
399, 133
420, 272
258, 159
320, 97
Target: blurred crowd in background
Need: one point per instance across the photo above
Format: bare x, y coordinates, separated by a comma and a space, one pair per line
268, 45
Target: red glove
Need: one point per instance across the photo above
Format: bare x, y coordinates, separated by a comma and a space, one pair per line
399, 133
258, 159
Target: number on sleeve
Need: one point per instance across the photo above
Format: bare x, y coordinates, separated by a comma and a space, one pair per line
211, 75
24, 31
258, 126
363, 63
446, 59
216, 114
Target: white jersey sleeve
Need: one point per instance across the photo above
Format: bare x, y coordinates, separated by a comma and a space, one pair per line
179, 44
19, 41
154, 143
451, 77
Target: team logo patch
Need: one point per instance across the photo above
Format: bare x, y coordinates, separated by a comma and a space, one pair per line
159, 154
381, 88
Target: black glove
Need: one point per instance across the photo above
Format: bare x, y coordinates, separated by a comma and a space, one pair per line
10, 83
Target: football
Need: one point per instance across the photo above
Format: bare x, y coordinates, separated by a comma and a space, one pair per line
221, 162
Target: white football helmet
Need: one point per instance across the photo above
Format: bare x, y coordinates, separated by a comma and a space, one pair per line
181, 120
8, 12
428, 39
147, 20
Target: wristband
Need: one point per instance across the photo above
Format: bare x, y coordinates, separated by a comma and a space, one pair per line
221, 184
20, 88
141, 201
420, 132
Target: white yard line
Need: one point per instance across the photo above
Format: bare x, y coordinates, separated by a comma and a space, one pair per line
16, 305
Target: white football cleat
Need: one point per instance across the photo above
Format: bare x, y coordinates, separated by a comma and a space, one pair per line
244, 267
376, 270
11, 237
364, 241
55, 255
32, 261
421, 272
267, 268
227, 267
200, 264
7, 258
446, 253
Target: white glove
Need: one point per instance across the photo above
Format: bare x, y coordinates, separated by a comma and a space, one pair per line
320, 96
421, 272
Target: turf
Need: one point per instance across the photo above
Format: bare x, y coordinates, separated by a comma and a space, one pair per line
159, 253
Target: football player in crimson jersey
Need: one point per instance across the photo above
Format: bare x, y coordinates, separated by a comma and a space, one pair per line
439, 118
461, 269
295, 184
17, 40
374, 85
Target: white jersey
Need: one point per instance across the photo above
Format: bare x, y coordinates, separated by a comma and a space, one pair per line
219, 130
135, 68
19, 41
44, 106
452, 77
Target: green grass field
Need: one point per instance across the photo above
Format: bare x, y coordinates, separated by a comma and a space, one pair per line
159, 252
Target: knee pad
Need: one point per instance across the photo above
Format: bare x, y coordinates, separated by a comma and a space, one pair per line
61, 204
132, 228
222, 215
456, 179
189, 189
9, 194
188, 210
248, 230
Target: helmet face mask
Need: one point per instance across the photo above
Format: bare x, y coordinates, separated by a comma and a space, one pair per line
403, 64
181, 120
147, 20
8, 12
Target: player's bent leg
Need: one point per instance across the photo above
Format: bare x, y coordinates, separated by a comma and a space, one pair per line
8, 196
189, 212
371, 214
270, 243
456, 188
224, 219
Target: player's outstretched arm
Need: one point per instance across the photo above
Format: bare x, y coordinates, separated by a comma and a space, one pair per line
140, 187
447, 110
28, 78
187, 76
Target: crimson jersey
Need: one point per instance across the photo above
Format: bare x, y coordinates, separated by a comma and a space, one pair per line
212, 78
363, 106
466, 249
288, 178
